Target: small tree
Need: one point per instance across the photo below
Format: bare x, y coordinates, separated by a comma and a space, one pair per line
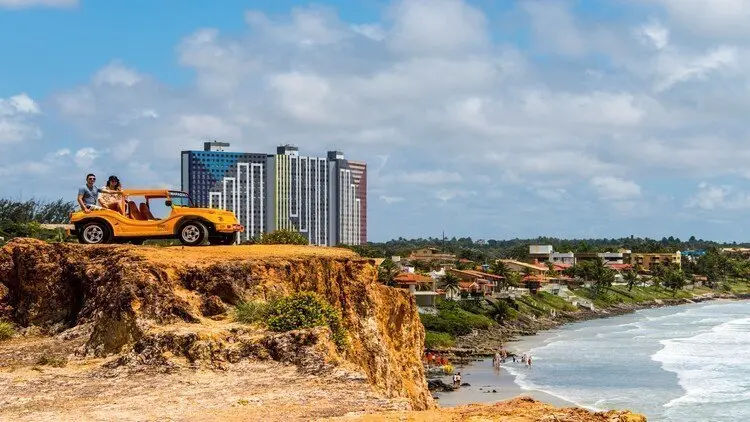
284, 237
630, 277
673, 279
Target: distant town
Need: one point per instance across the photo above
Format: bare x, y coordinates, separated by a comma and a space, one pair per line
471, 274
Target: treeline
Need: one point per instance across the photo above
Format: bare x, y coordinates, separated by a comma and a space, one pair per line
24, 218
468, 248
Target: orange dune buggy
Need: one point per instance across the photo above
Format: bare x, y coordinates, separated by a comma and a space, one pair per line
176, 218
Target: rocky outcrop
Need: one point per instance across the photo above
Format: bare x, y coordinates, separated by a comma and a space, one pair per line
149, 304
522, 409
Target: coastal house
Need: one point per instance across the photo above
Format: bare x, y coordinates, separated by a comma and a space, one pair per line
431, 255
523, 267
567, 258
489, 282
649, 261
540, 252
421, 287
479, 288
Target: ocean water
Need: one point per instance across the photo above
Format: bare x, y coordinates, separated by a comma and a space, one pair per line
682, 363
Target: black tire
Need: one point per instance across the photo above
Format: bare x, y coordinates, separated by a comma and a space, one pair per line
192, 233
94, 233
223, 239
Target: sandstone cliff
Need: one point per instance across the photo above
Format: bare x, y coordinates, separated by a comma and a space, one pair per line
158, 306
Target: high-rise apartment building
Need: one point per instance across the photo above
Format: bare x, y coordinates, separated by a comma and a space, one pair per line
299, 199
359, 176
324, 198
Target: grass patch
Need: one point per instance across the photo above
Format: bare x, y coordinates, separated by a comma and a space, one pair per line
306, 310
47, 360
434, 340
454, 320
741, 287
6, 330
251, 312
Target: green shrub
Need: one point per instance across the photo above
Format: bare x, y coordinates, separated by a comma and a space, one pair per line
306, 310
47, 360
6, 330
453, 320
434, 340
251, 312
284, 237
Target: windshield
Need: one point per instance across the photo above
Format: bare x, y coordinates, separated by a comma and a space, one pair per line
180, 199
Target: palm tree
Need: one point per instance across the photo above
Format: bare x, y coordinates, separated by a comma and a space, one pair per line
499, 310
631, 277
603, 276
514, 279
500, 269
387, 272
451, 283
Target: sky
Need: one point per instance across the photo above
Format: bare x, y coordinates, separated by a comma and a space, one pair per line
485, 118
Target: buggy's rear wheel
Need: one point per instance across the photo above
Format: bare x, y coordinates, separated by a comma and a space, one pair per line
94, 233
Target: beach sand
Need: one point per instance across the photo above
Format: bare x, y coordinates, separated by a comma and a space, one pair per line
490, 385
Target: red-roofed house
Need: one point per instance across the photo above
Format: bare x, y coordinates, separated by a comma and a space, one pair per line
487, 282
421, 287
620, 267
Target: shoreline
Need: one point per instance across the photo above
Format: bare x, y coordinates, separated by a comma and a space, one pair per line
485, 343
500, 387
506, 387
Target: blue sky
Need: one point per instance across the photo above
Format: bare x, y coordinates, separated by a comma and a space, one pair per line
484, 118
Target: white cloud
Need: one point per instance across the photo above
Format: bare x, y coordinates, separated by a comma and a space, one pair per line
613, 188
84, 158
18, 104
436, 26
675, 69
711, 17
711, 197
448, 194
117, 74
372, 31
15, 123
654, 34
391, 199
552, 194
427, 177
22, 4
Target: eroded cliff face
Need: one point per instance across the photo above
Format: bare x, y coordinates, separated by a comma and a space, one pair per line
147, 304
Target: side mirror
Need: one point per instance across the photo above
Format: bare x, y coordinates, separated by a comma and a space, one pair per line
168, 203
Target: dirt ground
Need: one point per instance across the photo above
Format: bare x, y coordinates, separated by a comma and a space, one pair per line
211, 254
83, 390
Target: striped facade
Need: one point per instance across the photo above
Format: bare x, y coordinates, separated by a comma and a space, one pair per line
359, 176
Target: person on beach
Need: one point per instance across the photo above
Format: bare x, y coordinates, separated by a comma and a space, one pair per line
514, 358
457, 380
528, 361
496, 360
